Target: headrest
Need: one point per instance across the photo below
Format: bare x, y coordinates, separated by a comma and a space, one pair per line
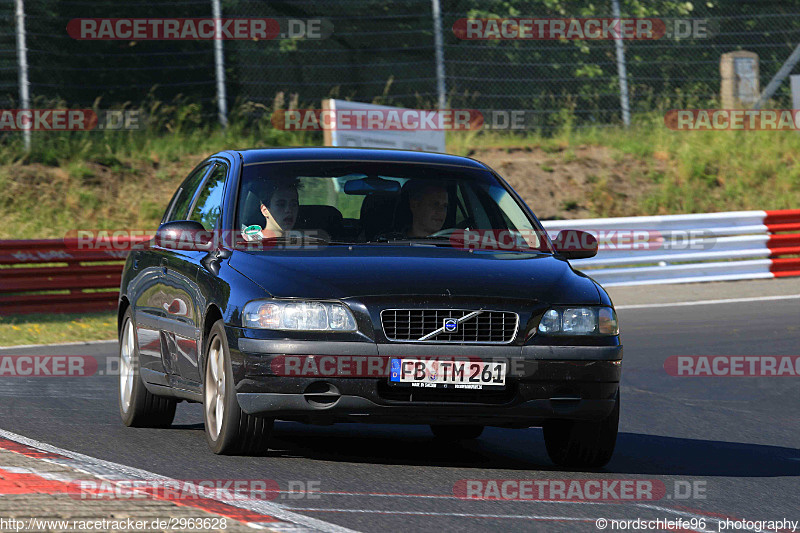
377, 214
318, 216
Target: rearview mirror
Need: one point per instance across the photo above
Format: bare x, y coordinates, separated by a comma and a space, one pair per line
371, 185
575, 244
184, 235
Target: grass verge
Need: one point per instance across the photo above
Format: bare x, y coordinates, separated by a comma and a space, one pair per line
57, 328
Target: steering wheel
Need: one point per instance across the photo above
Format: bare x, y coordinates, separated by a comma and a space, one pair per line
445, 232
463, 225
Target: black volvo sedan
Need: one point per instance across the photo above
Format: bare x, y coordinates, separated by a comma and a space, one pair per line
326, 285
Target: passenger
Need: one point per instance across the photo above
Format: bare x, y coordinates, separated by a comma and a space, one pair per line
279, 205
428, 204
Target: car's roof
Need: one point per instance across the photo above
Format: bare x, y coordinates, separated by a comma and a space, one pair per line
262, 155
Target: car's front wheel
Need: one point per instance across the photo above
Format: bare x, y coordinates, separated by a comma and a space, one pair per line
138, 406
582, 444
229, 430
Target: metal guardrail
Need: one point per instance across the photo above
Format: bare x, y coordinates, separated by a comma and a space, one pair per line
52, 276
57, 276
690, 248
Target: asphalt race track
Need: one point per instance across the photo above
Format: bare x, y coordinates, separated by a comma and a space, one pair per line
734, 438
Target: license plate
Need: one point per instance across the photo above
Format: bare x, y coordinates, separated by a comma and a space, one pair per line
411, 372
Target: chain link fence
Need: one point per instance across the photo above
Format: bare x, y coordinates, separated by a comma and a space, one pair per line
385, 53
9, 86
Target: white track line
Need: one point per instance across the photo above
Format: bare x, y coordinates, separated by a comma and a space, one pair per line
690, 515
461, 515
79, 343
457, 498
711, 302
677, 512
110, 470
45, 475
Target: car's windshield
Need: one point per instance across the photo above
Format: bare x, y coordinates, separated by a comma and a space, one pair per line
379, 202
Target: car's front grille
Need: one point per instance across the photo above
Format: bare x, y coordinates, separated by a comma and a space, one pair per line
429, 325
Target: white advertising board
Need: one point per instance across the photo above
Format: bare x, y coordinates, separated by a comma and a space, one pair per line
427, 140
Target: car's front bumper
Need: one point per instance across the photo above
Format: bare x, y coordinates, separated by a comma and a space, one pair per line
544, 382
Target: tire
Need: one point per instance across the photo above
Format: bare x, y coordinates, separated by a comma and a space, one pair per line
138, 407
456, 433
582, 444
229, 430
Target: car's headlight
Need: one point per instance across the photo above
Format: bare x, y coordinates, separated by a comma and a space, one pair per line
298, 315
579, 321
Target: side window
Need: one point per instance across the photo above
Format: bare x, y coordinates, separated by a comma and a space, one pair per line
179, 206
208, 207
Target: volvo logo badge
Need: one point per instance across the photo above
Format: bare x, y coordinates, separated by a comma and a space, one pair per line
450, 325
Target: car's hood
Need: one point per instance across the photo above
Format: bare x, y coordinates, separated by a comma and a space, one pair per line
339, 272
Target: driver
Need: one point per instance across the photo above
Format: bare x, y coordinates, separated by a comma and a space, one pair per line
428, 203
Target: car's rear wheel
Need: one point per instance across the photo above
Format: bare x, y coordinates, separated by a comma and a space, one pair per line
138, 406
229, 430
456, 433
586, 444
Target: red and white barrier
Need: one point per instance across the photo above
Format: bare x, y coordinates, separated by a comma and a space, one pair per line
690, 248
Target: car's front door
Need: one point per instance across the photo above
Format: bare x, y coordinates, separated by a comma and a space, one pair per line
162, 302
184, 310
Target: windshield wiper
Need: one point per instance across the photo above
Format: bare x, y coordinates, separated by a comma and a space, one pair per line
298, 241
441, 240
412, 241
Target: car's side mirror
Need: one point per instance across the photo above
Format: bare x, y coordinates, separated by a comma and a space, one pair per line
184, 235
575, 244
